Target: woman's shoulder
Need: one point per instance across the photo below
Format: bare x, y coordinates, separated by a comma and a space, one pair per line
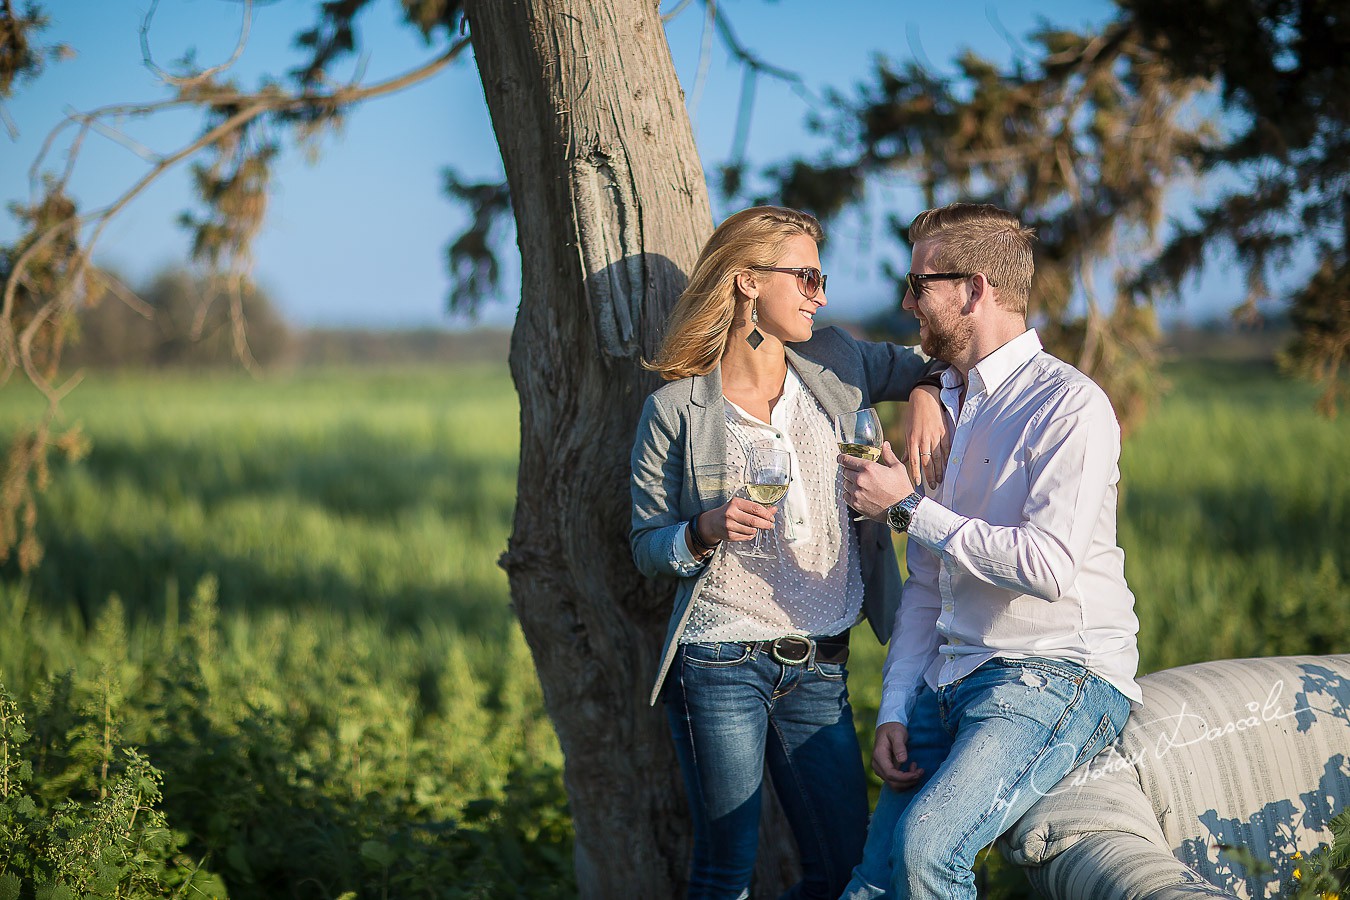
828, 344
670, 397
673, 391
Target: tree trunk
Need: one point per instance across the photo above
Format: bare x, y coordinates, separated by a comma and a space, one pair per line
611, 209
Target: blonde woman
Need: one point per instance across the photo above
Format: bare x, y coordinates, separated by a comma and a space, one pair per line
753, 665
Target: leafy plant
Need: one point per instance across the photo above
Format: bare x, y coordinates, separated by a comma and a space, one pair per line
116, 846
1322, 874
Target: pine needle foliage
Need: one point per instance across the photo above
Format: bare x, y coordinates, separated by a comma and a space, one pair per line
1081, 139
1283, 73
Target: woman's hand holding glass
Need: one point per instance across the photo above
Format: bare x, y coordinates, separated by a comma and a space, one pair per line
738, 519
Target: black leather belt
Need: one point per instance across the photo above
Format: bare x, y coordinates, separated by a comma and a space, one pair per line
798, 649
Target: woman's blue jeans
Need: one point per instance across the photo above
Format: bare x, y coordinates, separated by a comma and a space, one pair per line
991, 744
733, 710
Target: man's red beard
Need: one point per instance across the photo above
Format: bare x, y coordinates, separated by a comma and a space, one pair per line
949, 341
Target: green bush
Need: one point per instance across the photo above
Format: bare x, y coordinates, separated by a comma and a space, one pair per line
101, 834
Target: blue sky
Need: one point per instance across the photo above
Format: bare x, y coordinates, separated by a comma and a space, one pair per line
358, 238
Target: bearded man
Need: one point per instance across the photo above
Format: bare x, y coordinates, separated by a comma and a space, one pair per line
1014, 651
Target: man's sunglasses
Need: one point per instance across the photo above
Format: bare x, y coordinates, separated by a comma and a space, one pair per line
915, 282
810, 279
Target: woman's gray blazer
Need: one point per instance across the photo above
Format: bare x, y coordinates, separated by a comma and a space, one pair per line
679, 463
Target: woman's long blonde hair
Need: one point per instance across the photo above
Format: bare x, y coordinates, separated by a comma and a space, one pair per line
699, 326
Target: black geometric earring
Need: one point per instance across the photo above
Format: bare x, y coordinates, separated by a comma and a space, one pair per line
754, 338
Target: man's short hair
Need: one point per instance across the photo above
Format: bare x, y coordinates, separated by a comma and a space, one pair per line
980, 237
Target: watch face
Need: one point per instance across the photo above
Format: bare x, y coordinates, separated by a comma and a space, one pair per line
901, 514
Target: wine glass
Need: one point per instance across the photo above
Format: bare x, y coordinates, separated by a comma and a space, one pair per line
859, 434
767, 479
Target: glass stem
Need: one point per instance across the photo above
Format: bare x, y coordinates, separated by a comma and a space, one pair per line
757, 545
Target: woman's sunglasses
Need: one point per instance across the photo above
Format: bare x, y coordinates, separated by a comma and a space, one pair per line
810, 279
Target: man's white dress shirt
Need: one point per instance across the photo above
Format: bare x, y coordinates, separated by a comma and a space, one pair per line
1015, 554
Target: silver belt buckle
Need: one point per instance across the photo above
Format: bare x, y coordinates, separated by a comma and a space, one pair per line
791, 650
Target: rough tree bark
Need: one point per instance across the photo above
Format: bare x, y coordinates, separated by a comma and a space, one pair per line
611, 208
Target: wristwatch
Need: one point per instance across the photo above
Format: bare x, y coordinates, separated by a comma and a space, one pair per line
899, 515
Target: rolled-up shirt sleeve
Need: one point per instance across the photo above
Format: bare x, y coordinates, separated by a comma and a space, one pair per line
682, 561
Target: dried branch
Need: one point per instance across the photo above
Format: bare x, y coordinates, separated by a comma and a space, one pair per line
752, 67
49, 268
744, 111
1088, 352
113, 134
237, 331
704, 58
669, 17
189, 81
248, 108
742, 53
114, 286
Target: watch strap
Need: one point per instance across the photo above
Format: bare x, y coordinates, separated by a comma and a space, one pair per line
901, 514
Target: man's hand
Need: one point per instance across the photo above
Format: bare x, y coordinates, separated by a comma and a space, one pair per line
871, 488
889, 755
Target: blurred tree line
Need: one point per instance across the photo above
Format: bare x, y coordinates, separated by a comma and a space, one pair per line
1087, 134
174, 321
177, 319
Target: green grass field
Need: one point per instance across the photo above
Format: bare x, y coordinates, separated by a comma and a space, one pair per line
286, 594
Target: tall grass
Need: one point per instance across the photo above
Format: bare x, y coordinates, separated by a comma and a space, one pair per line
286, 594
291, 588
1236, 515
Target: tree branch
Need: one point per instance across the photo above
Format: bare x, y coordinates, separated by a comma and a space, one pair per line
119, 290
187, 81
251, 108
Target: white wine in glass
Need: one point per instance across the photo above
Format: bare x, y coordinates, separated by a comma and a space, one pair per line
768, 494
859, 435
770, 472
861, 451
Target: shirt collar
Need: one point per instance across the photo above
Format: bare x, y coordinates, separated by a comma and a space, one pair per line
998, 366
792, 385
